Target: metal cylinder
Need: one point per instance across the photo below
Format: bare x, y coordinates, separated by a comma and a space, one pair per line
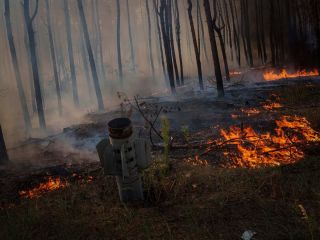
122, 140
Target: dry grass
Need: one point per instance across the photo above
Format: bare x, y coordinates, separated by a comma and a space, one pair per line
187, 203
303, 99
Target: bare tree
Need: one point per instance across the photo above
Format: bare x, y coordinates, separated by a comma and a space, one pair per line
70, 53
91, 58
14, 59
34, 61
214, 48
164, 22
195, 44
150, 40
178, 39
53, 58
3, 150
120, 71
130, 37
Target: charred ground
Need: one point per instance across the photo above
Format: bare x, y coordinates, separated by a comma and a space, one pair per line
192, 193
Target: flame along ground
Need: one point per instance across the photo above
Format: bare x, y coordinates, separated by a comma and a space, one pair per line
52, 184
269, 149
271, 75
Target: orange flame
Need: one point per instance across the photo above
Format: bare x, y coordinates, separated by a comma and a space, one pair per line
272, 76
52, 184
235, 73
256, 150
272, 106
250, 111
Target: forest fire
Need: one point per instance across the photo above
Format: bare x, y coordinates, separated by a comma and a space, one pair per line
257, 150
272, 105
52, 184
250, 112
272, 75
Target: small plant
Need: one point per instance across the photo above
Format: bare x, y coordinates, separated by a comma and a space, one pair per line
165, 133
185, 132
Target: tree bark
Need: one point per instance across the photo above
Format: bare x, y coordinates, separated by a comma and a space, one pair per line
34, 61
164, 18
130, 38
150, 40
53, 58
14, 59
3, 150
156, 6
214, 49
195, 45
70, 52
120, 71
178, 39
91, 58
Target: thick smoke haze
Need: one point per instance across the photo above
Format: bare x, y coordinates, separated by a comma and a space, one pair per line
137, 79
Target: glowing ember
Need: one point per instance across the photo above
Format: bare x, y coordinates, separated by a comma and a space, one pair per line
272, 76
235, 73
52, 184
272, 106
250, 112
197, 161
257, 150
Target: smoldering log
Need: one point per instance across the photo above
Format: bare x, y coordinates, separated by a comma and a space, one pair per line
3, 150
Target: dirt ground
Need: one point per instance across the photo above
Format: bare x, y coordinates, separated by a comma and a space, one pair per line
187, 197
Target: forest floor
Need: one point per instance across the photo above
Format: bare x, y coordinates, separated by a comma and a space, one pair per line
210, 186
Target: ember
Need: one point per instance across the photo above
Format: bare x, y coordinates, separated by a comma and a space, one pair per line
250, 112
272, 76
257, 150
52, 184
272, 106
235, 73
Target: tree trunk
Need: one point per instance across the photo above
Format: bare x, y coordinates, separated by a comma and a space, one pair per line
70, 52
86, 66
130, 38
178, 39
53, 58
150, 40
3, 150
34, 61
172, 47
91, 58
120, 71
166, 42
156, 6
195, 44
99, 40
14, 59
214, 49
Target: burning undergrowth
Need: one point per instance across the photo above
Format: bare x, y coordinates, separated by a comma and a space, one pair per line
246, 147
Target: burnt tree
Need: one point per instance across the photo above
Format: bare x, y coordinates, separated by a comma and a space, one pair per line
14, 59
3, 150
34, 60
70, 53
120, 71
53, 58
150, 40
195, 45
91, 57
178, 39
164, 22
214, 48
130, 37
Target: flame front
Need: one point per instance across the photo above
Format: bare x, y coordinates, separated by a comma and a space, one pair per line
272, 75
51, 184
257, 150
